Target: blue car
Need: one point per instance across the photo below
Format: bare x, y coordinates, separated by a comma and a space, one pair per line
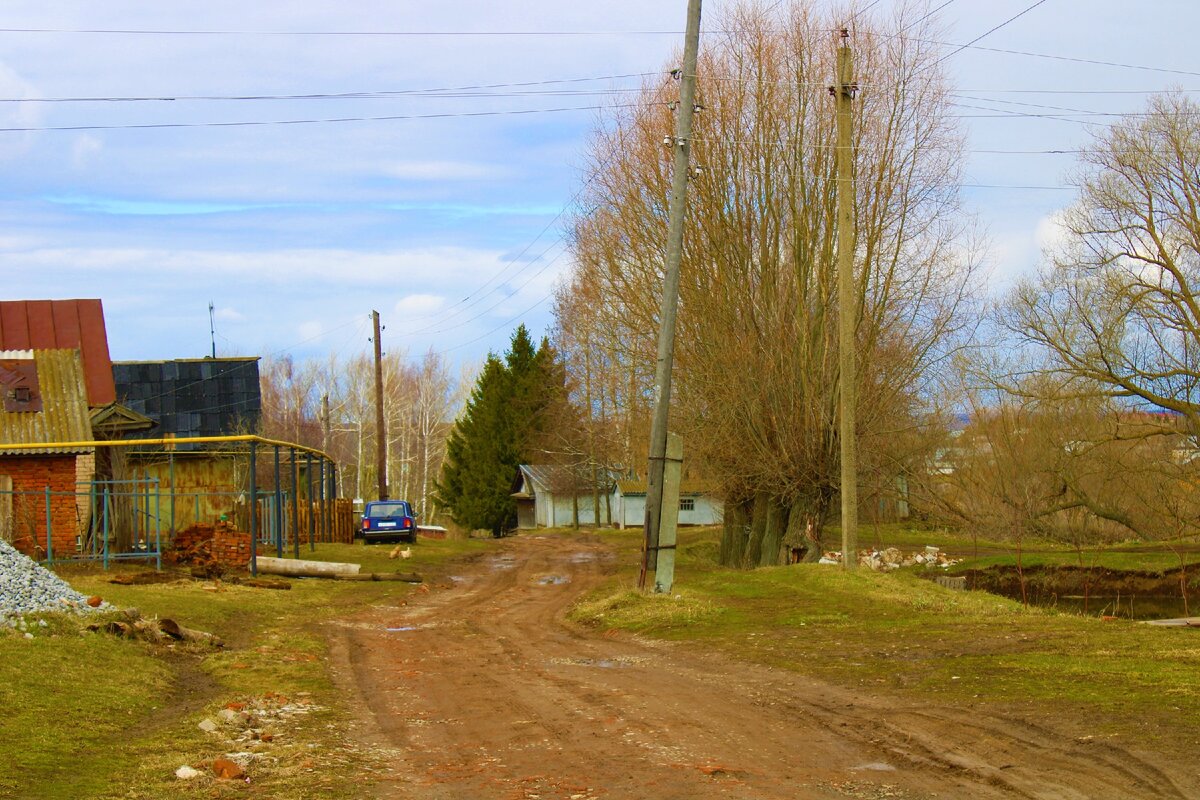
388, 521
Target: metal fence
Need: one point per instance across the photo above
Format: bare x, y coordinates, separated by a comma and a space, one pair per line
137, 518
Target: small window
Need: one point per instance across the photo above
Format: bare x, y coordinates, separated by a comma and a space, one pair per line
687, 504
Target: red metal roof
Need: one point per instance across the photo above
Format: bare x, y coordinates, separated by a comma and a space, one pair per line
58, 324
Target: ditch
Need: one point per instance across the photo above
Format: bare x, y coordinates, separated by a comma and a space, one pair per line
1095, 591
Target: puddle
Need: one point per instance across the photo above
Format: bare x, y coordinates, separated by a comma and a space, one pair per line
874, 766
458, 579
502, 562
552, 580
600, 663
403, 628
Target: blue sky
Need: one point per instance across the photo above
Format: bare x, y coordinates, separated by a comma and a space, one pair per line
446, 225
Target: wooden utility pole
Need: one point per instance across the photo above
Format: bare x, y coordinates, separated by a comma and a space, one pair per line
380, 432
847, 300
325, 423
681, 144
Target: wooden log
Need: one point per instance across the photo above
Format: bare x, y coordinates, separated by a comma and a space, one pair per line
301, 568
264, 583
176, 631
407, 577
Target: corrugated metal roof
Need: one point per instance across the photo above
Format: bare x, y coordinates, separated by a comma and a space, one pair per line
556, 477
64, 414
56, 324
628, 487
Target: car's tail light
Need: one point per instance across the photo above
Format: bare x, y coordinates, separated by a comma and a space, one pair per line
366, 524
406, 521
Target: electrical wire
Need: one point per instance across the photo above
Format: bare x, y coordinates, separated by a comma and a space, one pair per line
989, 32
324, 121
478, 90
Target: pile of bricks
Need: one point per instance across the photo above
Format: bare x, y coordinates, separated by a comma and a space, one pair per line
211, 547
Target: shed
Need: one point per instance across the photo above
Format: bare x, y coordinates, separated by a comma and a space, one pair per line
551, 496
697, 504
188, 397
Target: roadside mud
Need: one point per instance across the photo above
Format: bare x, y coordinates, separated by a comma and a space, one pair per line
501, 698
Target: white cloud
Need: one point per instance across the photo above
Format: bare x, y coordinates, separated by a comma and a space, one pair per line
226, 314
444, 171
85, 147
420, 304
1050, 234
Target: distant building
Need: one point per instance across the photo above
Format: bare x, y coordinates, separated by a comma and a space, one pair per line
553, 496
193, 396
190, 397
697, 504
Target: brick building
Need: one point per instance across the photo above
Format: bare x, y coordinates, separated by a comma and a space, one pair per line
44, 401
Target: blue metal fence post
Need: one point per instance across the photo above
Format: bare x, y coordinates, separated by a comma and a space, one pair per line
171, 477
308, 502
49, 531
92, 515
253, 510
295, 527
278, 509
106, 528
158, 525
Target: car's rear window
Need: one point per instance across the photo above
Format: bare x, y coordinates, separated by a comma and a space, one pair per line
387, 510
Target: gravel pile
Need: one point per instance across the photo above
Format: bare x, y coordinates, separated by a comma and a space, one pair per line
26, 587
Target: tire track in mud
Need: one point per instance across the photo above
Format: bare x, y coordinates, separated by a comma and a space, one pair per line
481, 690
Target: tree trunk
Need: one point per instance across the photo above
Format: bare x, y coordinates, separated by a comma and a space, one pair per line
758, 530
804, 526
733, 539
772, 542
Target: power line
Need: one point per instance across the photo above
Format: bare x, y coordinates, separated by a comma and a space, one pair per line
989, 32
514, 260
316, 121
478, 90
406, 34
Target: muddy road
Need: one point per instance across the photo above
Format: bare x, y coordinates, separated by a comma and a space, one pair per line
478, 689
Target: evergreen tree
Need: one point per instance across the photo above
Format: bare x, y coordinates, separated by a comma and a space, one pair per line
500, 428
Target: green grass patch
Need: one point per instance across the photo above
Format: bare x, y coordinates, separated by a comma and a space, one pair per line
90, 715
901, 633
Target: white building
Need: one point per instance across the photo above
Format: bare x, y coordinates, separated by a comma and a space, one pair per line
550, 496
697, 506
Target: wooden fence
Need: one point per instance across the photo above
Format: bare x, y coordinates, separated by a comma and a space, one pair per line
343, 522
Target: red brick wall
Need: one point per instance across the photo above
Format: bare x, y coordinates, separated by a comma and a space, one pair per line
30, 477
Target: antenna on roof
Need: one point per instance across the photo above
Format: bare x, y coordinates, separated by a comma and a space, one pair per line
212, 330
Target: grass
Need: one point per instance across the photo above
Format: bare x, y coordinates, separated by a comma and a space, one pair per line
984, 552
91, 715
902, 634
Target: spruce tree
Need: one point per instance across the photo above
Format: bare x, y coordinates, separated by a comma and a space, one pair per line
505, 417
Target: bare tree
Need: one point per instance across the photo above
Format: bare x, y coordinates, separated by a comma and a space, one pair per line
1116, 310
757, 350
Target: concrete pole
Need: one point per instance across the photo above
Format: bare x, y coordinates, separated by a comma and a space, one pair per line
847, 302
380, 432
681, 146
664, 575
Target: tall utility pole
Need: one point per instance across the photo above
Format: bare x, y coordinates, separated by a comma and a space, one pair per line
847, 300
681, 145
380, 433
325, 423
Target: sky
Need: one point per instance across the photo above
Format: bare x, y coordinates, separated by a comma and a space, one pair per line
137, 168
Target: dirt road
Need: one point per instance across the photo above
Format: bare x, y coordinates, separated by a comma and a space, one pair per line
479, 690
